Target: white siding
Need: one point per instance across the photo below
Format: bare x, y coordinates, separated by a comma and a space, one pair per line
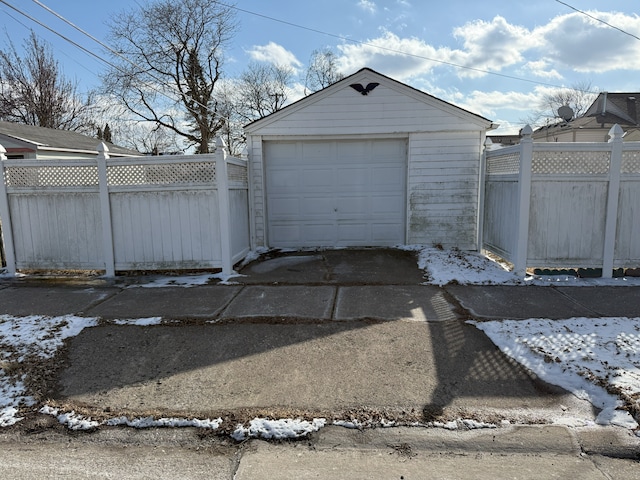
443, 189
383, 111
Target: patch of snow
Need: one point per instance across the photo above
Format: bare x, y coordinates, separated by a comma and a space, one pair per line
585, 356
34, 335
253, 255
443, 266
40, 335
140, 322
277, 429
8, 416
149, 422
476, 425
351, 424
71, 420
187, 281
452, 425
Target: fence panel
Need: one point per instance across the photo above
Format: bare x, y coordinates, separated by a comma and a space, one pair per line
501, 202
583, 205
567, 223
57, 230
156, 212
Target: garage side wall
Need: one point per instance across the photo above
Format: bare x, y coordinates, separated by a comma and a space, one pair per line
444, 169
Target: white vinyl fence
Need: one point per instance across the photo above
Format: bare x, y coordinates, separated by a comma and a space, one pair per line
567, 205
143, 213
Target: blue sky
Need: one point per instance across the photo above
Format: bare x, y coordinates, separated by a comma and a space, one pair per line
531, 47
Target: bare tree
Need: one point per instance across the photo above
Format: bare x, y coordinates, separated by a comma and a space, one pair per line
262, 90
34, 91
229, 104
170, 58
322, 70
579, 97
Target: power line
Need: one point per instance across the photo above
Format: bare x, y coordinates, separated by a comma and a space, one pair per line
598, 20
98, 57
321, 32
391, 50
43, 25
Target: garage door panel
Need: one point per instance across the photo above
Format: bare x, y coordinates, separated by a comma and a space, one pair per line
387, 177
353, 177
285, 235
353, 233
387, 205
386, 233
336, 193
318, 234
318, 178
285, 178
286, 206
316, 205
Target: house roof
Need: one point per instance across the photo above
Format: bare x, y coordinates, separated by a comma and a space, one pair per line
611, 108
607, 110
256, 124
54, 139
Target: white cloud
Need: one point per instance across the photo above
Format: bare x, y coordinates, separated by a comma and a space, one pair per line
400, 58
571, 41
540, 68
367, 6
586, 45
490, 46
276, 54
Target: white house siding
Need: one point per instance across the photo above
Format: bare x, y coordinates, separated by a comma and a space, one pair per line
443, 188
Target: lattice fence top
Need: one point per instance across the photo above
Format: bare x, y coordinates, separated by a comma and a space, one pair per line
52, 176
200, 173
571, 162
631, 162
507, 164
237, 173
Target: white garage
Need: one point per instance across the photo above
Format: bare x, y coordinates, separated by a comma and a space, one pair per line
367, 161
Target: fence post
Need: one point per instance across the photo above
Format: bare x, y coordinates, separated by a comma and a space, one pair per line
105, 210
5, 215
611, 219
481, 193
524, 202
222, 180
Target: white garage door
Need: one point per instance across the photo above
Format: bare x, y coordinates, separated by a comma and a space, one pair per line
336, 193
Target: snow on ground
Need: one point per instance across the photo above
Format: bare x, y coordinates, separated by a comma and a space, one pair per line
22, 338
443, 266
585, 356
187, 281
140, 322
277, 429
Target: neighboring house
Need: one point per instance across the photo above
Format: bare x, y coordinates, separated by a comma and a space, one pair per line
504, 140
39, 143
606, 111
367, 161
